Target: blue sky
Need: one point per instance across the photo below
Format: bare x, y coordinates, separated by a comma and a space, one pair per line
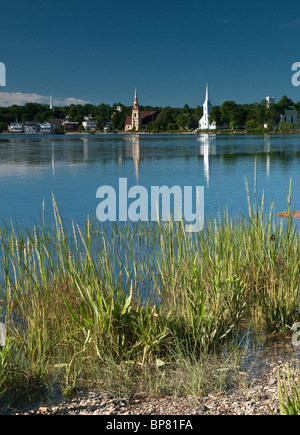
100, 51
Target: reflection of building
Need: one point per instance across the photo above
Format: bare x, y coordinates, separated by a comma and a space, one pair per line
139, 119
53, 158
133, 151
207, 147
267, 149
207, 108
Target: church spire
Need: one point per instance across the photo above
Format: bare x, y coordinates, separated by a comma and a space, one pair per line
207, 94
136, 101
136, 115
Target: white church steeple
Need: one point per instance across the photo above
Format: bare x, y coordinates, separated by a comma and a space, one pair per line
207, 107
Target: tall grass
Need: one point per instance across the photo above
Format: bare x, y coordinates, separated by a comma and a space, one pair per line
91, 304
288, 385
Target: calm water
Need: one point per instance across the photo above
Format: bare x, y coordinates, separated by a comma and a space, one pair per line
74, 167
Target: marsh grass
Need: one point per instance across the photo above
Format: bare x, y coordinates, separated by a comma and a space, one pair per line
141, 308
288, 385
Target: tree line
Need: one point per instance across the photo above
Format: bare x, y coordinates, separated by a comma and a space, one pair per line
230, 115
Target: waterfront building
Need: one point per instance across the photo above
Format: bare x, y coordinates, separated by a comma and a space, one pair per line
89, 124
70, 126
16, 128
139, 119
45, 127
204, 123
31, 128
290, 115
55, 124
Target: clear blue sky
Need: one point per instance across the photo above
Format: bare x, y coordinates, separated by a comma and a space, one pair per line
168, 49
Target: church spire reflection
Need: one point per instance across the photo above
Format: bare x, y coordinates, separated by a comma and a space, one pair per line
133, 151
207, 147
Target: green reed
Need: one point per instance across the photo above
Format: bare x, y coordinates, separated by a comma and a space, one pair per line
288, 386
139, 300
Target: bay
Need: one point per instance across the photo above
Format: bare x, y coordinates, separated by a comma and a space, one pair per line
73, 167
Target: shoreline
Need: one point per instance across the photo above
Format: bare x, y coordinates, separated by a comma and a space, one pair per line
166, 133
256, 396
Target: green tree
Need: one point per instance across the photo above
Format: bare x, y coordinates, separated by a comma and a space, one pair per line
285, 102
215, 116
118, 120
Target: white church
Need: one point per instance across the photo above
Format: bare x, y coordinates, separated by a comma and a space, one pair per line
204, 123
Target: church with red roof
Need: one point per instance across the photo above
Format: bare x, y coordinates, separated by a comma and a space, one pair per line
139, 119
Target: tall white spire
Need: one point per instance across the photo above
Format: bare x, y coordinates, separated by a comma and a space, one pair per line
204, 123
51, 103
136, 102
207, 97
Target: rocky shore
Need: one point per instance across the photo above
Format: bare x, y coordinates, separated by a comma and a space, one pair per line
259, 397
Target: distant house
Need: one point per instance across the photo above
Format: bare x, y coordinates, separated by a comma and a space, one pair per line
290, 115
70, 126
119, 107
31, 128
16, 128
90, 124
55, 124
45, 128
139, 119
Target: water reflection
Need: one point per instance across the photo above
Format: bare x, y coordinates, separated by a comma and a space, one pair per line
53, 158
74, 166
267, 150
207, 147
133, 151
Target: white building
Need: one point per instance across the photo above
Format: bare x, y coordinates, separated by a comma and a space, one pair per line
16, 128
290, 115
90, 125
31, 128
270, 100
45, 128
207, 108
